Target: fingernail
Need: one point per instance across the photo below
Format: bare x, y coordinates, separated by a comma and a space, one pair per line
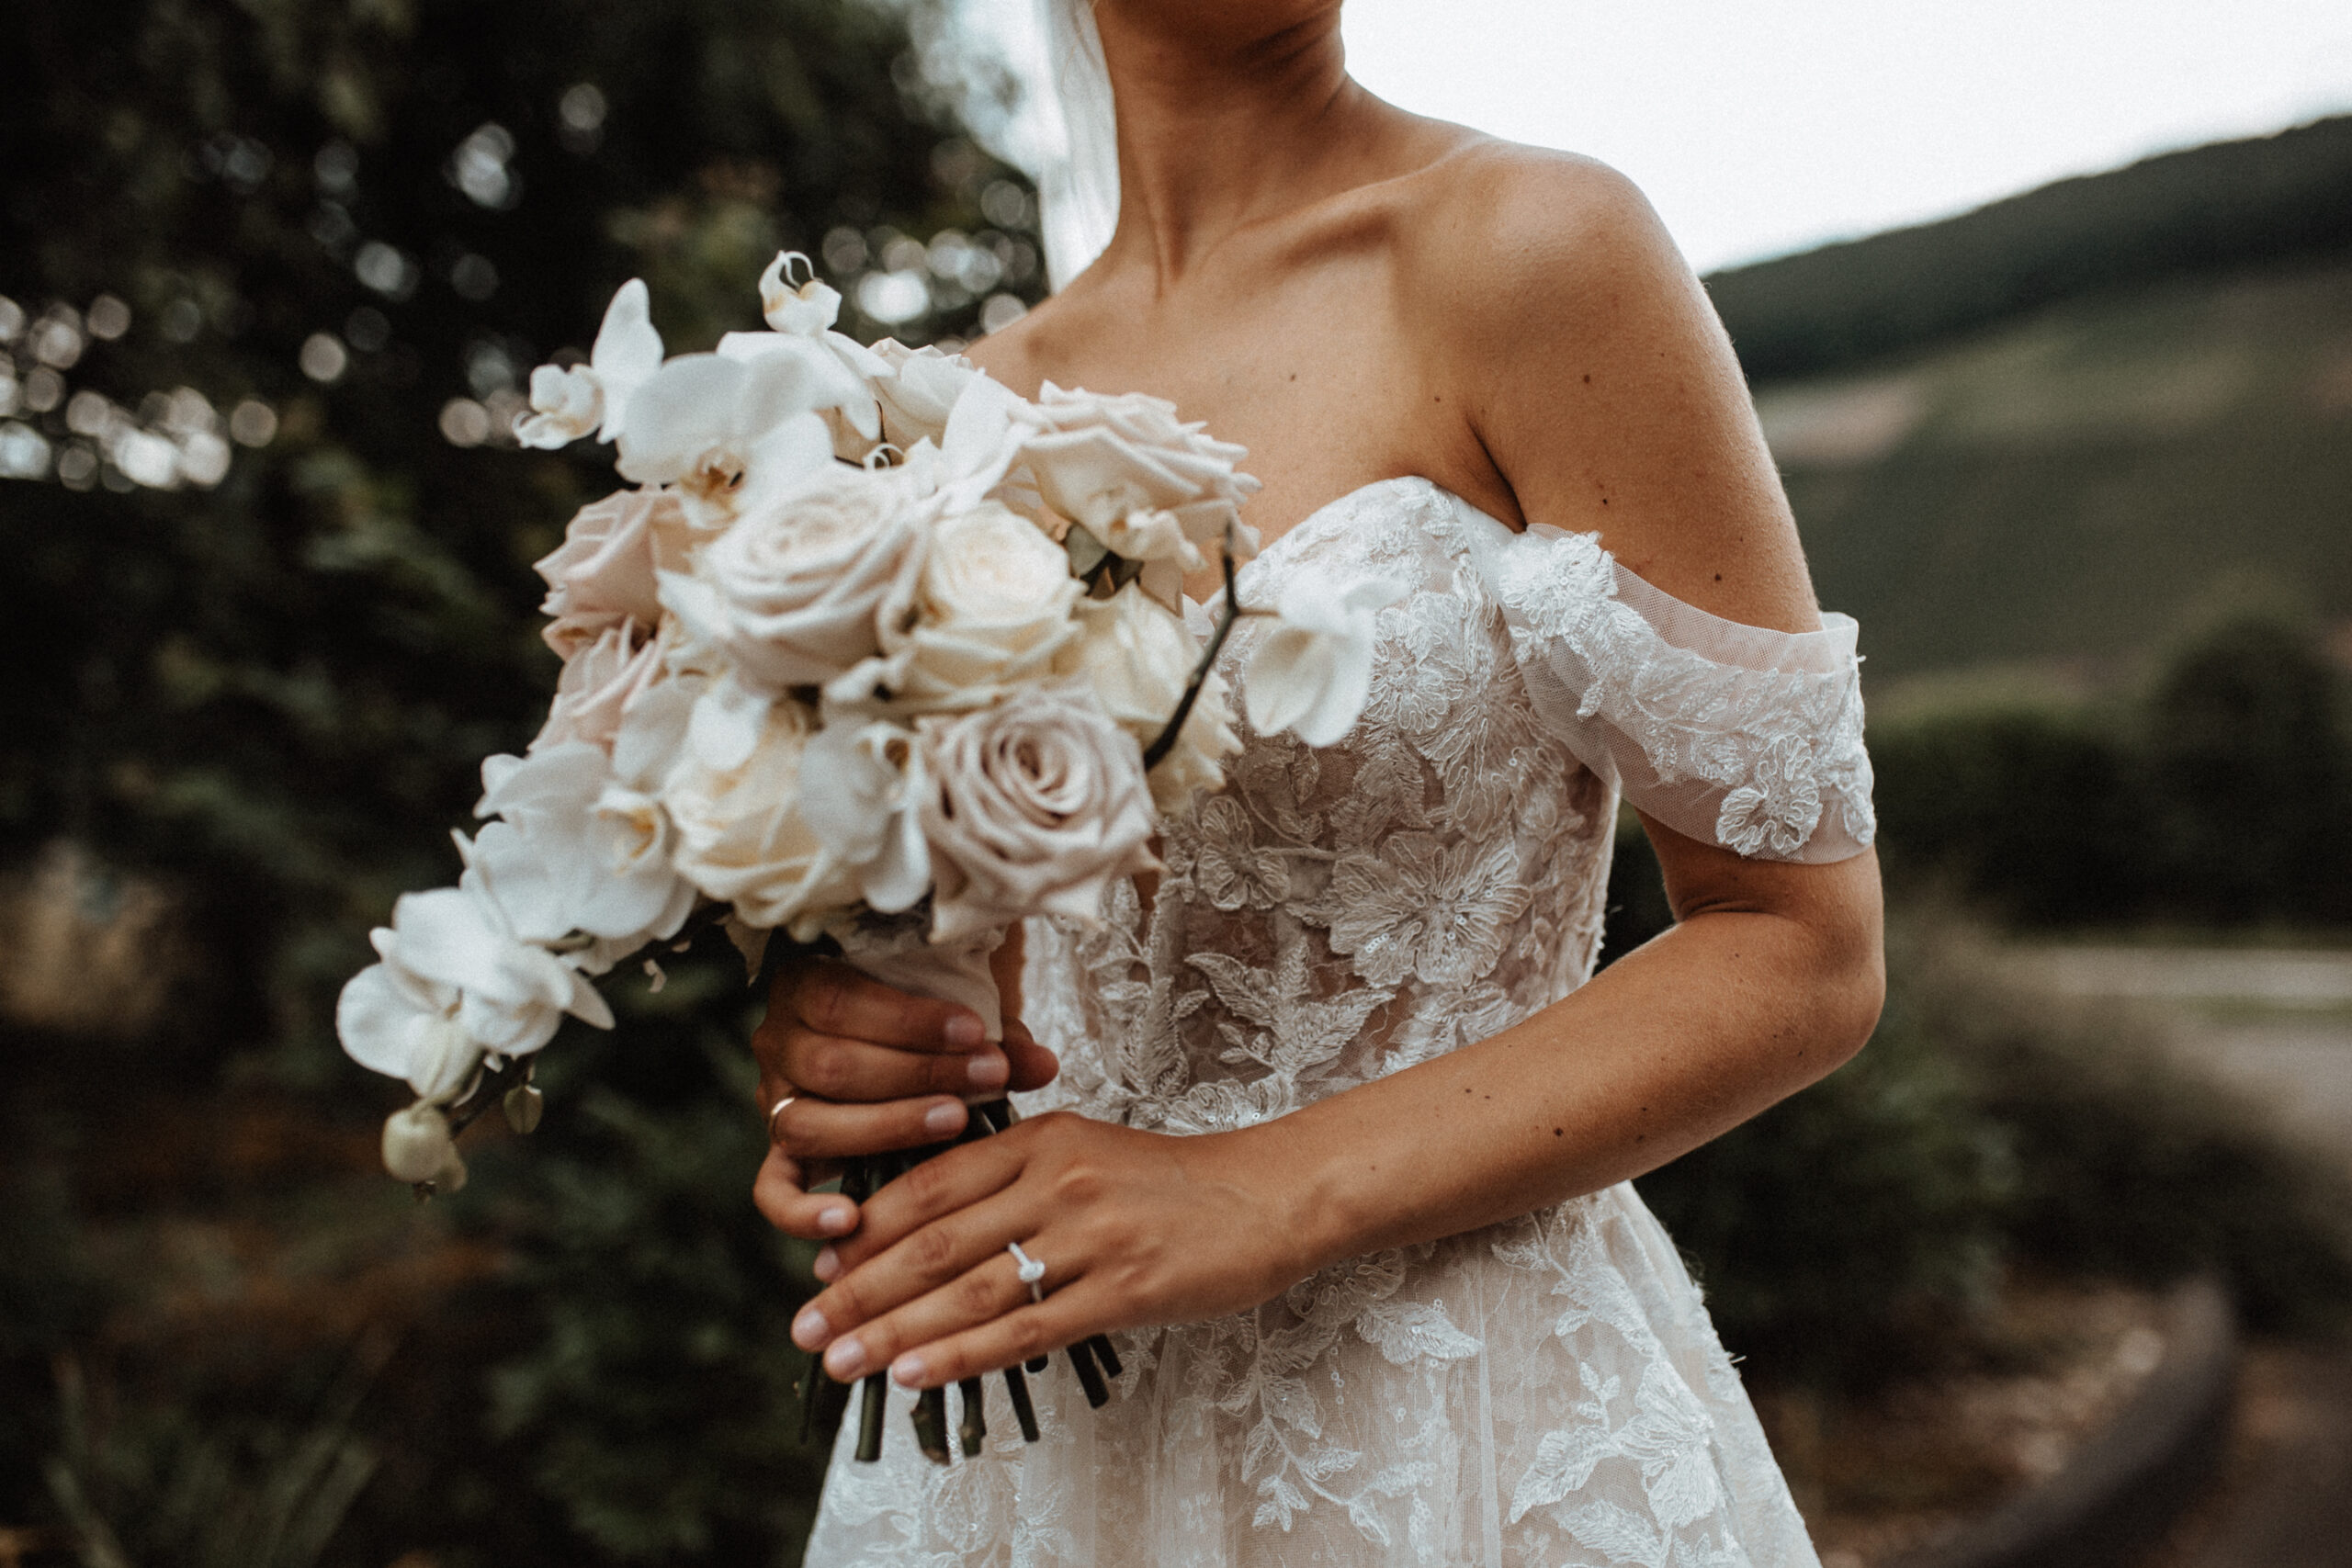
907, 1371
964, 1031
835, 1221
941, 1120
827, 1265
809, 1330
846, 1359
989, 1071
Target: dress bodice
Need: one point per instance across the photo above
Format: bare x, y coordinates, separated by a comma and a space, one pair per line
1544, 1391
1338, 913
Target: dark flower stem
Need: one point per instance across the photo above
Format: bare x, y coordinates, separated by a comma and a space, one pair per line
1157, 752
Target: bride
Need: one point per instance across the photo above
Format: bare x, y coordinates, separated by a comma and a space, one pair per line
1341, 1138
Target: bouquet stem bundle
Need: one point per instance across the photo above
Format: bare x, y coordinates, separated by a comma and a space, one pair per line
825, 1401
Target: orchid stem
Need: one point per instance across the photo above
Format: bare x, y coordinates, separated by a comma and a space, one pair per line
1155, 753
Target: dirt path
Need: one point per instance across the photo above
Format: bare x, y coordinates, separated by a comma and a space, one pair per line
2276, 1025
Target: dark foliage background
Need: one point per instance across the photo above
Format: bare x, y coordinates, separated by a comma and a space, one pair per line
270, 698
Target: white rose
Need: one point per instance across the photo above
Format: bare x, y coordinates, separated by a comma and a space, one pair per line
1034, 806
919, 391
741, 837
1137, 656
603, 572
795, 594
1312, 673
1112, 464
599, 681
992, 610
568, 404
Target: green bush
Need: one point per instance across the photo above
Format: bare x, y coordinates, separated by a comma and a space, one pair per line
2221, 798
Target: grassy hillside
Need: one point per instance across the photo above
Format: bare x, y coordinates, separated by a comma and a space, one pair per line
2155, 425
2183, 214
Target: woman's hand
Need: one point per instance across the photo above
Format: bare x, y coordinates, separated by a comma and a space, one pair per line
1133, 1227
867, 1069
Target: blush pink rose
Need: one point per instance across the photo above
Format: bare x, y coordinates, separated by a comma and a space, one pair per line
603, 572
599, 679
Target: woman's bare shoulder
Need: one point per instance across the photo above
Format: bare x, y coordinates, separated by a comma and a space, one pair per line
1498, 222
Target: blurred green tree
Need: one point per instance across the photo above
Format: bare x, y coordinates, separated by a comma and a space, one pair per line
326, 240
362, 222
2250, 769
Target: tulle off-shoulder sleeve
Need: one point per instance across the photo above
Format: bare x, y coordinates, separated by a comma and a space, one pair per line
1731, 734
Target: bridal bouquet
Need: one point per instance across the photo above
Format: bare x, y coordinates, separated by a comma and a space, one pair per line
873, 651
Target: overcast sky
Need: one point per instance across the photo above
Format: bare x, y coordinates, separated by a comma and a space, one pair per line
1763, 126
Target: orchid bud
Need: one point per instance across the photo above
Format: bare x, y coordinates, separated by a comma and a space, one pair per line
452, 1177
524, 1106
417, 1143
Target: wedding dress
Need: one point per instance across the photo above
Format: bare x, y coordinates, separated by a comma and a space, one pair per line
1547, 1391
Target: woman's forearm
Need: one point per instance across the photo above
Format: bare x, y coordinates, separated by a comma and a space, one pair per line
1720, 1017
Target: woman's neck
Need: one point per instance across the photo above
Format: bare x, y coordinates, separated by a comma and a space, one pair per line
1217, 132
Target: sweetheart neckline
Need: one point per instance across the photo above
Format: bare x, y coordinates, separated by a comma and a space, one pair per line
1645, 597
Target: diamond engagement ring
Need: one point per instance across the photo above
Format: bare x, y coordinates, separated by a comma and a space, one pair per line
1032, 1270
776, 1110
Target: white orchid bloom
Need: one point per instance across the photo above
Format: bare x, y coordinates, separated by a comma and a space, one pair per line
394, 1022
453, 985
860, 787
1312, 673
579, 850
705, 423
805, 309
568, 404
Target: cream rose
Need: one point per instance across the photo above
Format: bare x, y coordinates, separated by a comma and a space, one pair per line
796, 593
1034, 807
920, 392
1137, 656
1148, 485
599, 679
740, 836
992, 611
605, 571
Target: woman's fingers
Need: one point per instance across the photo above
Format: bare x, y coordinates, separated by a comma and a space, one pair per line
858, 1294
968, 1299
812, 1129
840, 1067
940, 1186
786, 1204
1033, 1065
1021, 1335
830, 997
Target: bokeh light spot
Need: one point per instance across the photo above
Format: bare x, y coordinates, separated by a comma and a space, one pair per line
892, 297
323, 358
108, 318
383, 268
182, 321
464, 423
23, 453
1000, 312
253, 423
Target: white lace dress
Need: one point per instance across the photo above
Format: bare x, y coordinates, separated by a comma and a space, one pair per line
1544, 1391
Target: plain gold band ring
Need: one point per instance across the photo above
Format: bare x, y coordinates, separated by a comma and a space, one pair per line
776, 1110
